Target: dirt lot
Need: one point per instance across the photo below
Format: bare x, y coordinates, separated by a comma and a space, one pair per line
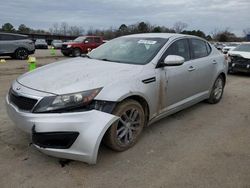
203, 146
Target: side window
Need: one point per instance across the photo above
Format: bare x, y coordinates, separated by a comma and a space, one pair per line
180, 48
89, 39
199, 48
97, 40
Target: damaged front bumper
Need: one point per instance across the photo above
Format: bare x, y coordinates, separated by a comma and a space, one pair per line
75, 136
239, 64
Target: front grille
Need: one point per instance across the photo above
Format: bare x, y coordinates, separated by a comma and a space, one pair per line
23, 103
237, 59
241, 66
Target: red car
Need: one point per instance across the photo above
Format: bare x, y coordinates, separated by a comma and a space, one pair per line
81, 45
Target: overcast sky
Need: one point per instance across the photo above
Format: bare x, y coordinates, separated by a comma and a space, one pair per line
198, 14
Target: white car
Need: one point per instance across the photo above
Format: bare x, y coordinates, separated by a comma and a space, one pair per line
229, 47
239, 59
69, 107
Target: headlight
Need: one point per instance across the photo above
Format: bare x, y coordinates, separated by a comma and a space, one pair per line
68, 101
69, 46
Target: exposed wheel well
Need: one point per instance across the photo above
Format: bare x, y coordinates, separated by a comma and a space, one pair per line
143, 103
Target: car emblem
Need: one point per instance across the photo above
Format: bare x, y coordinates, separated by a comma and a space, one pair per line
18, 88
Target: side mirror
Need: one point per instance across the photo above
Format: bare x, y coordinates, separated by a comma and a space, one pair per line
173, 60
86, 41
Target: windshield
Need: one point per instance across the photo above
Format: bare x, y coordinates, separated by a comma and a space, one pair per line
233, 45
40, 40
129, 50
79, 39
243, 48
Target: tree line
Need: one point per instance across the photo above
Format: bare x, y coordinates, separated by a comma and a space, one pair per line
140, 27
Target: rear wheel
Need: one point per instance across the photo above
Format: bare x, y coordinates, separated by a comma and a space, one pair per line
76, 52
125, 132
217, 91
21, 53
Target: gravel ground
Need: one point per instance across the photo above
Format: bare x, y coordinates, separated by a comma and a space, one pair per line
202, 146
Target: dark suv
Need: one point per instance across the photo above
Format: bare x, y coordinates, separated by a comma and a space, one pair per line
15, 45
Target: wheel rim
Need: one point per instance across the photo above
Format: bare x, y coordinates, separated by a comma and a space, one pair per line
218, 89
22, 54
128, 127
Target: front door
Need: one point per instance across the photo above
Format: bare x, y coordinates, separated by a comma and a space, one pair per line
179, 79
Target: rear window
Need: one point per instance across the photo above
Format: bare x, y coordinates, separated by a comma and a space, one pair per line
199, 48
89, 39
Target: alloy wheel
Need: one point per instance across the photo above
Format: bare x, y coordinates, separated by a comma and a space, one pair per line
128, 126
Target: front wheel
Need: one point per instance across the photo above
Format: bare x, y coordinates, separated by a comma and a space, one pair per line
125, 132
217, 91
21, 53
76, 52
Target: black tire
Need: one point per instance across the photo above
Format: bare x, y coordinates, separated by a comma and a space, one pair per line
76, 52
67, 55
21, 53
217, 90
125, 132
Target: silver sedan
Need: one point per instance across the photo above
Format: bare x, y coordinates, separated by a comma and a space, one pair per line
109, 95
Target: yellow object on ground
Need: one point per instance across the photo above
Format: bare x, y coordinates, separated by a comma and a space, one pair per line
32, 63
2, 61
52, 51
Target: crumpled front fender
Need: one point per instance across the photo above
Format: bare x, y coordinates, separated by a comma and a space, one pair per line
91, 126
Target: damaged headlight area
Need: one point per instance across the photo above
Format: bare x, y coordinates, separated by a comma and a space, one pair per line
71, 102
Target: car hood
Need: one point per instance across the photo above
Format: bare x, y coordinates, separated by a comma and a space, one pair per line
70, 43
77, 74
240, 53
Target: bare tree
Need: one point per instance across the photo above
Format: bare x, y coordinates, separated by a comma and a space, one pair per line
179, 26
66, 29
54, 29
246, 31
224, 35
75, 31
215, 33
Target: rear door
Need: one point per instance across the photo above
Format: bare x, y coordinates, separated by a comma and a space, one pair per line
97, 41
204, 65
89, 44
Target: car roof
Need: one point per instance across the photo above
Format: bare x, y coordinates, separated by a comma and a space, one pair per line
14, 34
160, 35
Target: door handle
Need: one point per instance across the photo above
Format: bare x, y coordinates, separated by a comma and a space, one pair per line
214, 62
191, 68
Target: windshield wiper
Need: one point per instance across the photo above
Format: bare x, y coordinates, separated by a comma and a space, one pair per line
105, 59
